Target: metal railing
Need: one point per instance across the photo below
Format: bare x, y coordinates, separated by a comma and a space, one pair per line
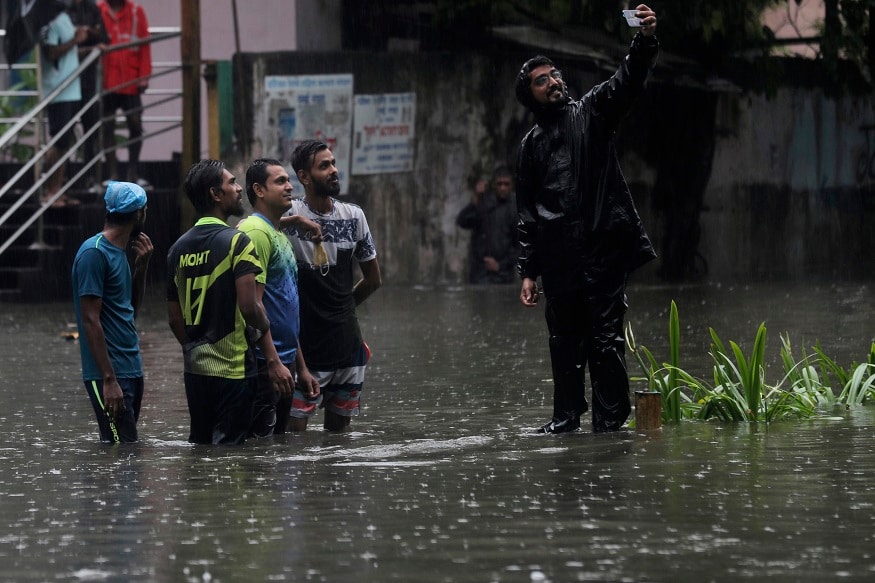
33, 118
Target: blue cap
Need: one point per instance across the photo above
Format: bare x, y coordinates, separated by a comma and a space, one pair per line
124, 197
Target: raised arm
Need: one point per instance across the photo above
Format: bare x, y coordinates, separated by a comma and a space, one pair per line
142, 246
613, 98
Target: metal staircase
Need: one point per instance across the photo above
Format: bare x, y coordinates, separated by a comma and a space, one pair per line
36, 264
38, 240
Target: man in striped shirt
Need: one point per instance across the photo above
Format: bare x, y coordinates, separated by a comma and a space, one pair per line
330, 336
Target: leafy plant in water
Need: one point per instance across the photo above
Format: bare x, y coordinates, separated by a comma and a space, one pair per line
858, 382
861, 385
739, 392
742, 382
803, 378
743, 378
664, 378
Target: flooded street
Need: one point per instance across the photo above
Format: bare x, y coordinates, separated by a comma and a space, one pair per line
442, 478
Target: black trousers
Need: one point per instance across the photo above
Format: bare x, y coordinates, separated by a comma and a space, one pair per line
220, 408
586, 331
270, 413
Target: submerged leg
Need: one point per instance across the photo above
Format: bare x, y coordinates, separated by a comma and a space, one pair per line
569, 397
606, 355
569, 400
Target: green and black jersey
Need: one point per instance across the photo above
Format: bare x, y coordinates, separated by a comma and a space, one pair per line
202, 267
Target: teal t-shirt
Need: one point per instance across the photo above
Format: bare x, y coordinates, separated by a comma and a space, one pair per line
102, 270
59, 31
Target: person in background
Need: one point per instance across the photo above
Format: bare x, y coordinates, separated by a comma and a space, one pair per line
106, 297
86, 14
330, 333
280, 361
492, 218
59, 59
126, 75
579, 229
213, 308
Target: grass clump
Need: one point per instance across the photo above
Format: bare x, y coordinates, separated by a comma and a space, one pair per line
738, 389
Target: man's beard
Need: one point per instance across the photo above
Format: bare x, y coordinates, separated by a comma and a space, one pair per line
563, 92
325, 190
138, 227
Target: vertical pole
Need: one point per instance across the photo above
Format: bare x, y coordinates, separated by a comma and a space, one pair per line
101, 141
190, 49
210, 76
237, 82
648, 410
41, 122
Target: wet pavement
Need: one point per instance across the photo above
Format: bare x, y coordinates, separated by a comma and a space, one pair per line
442, 478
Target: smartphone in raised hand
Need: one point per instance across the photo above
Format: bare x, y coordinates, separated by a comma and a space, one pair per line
631, 19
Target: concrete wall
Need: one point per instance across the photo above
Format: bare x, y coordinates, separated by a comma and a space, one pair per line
461, 128
780, 198
786, 197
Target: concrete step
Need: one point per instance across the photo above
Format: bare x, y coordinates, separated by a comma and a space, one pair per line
35, 275
20, 256
11, 296
35, 284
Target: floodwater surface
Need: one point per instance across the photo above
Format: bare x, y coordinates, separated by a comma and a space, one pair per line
442, 478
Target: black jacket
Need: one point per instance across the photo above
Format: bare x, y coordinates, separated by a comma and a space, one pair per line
577, 220
493, 223
88, 14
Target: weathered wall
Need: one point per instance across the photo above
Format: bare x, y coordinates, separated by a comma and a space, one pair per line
778, 197
461, 128
786, 197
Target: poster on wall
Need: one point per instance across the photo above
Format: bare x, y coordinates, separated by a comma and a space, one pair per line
383, 133
303, 107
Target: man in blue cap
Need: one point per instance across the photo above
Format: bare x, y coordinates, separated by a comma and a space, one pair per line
106, 296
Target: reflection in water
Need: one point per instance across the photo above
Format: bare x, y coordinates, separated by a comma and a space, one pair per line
442, 479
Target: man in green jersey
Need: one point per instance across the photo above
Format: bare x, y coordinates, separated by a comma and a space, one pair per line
213, 308
269, 190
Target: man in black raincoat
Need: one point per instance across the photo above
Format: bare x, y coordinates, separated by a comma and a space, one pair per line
579, 230
492, 218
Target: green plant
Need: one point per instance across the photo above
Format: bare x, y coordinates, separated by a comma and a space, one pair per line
802, 377
744, 375
857, 382
739, 391
12, 106
663, 378
860, 385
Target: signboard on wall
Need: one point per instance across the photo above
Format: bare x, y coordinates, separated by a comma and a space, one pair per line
302, 107
383, 133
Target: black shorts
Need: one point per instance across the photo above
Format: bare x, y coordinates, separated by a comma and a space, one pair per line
124, 429
220, 408
59, 114
112, 102
270, 413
